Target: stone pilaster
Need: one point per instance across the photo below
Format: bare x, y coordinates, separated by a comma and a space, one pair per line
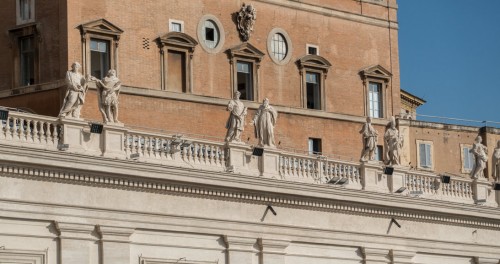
483, 192
376, 256
241, 250
273, 251
270, 163
480, 260
75, 242
114, 140
115, 244
402, 257
373, 178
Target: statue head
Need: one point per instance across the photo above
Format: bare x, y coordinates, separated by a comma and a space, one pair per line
266, 102
368, 120
111, 72
237, 95
479, 139
249, 8
75, 66
393, 122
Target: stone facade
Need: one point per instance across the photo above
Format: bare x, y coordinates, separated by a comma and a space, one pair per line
165, 187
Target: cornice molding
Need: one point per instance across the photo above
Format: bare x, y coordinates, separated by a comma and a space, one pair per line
253, 190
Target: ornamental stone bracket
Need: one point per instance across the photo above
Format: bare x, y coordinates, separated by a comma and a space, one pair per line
75, 241
480, 260
402, 257
115, 241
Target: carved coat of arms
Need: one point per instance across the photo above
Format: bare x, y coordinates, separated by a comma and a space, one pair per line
246, 20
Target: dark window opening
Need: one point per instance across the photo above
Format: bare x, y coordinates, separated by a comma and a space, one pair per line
313, 91
314, 146
245, 80
312, 50
209, 34
27, 58
99, 58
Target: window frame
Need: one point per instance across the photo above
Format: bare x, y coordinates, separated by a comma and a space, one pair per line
320, 84
320, 146
179, 42
23, 256
175, 21
288, 43
19, 19
16, 34
100, 29
316, 64
248, 53
381, 110
431, 154
376, 74
312, 46
462, 158
201, 34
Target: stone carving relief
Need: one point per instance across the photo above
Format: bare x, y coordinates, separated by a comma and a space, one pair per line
108, 90
76, 89
496, 162
480, 153
246, 20
369, 135
264, 121
236, 122
394, 142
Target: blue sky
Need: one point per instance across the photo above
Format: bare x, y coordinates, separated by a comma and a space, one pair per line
450, 56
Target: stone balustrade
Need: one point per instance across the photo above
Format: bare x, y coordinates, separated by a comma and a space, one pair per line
119, 142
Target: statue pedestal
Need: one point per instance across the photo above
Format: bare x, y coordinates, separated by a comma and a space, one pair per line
76, 134
372, 177
270, 163
397, 179
240, 159
114, 140
483, 192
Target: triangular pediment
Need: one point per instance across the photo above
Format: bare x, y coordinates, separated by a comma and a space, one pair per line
178, 39
314, 61
246, 50
376, 71
101, 26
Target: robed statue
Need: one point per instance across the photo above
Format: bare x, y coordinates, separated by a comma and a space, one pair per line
264, 121
480, 153
108, 90
496, 162
394, 142
369, 135
76, 89
236, 122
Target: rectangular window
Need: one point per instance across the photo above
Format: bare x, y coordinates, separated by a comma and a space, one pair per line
379, 153
375, 100
25, 11
314, 146
313, 90
176, 71
27, 60
245, 80
311, 50
99, 58
176, 26
468, 157
425, 155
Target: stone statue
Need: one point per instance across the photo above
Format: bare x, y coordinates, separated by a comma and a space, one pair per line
76, 89
246, 20
108, 90
394, 142
496, 162
480, 153
236, 122
369, 140
264, 121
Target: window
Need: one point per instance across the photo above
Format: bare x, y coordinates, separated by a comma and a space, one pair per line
99, 58
467, 158
375, 100
25, 11
424, 155
100, 41
13, 256
313, 71
379, 153
312, 49
176, 25
375, 80
245, 78
313, 90
27, 60
314, 146
176, 53
245, 62
211, 34
279, 46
